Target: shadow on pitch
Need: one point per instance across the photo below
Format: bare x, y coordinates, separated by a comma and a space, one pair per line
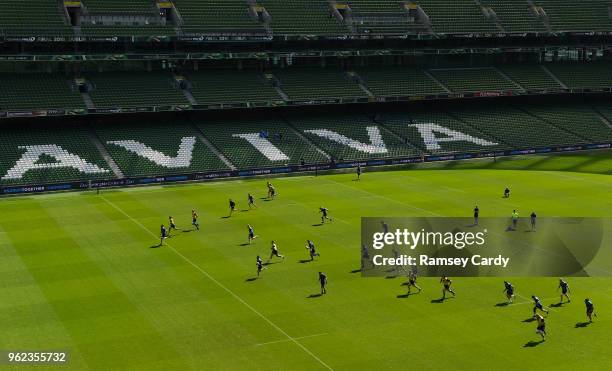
504, 304
314, 296
437, 301
557, 305
244, 244
251, 279
317, 225
155, 246
304, 261
355, 271
404, 295
531, 344
528, 320
582, 324
225, 217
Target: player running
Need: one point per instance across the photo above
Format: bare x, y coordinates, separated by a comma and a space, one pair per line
194, 219
251, 201
447, 282
359, 172
260, 266
385, 226
163, 234
324, 214
507, 192
232, 206
564, 287
532, 218
274, 252
590, 309
271, 190
365, 256
171, 225
509, 290
541, 330
412, 278
538, 305
252, 235
476, 213
323, 282
310, 246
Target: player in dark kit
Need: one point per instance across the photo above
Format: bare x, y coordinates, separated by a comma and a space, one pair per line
232, 206
532, 219
541, 330
323, 282
358, 172
385, 226
476, 213
509, 290
507, 192
412, 278
590, 309
163, 234
310, 246
260, 266
274, 252
251, 201
252, 235
365, 256
194, 219
447, 286
538, 305
324, 211
564, 287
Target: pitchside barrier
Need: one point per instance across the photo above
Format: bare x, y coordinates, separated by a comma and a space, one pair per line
194, 177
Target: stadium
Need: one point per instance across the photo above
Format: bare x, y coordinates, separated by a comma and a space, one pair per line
248, 184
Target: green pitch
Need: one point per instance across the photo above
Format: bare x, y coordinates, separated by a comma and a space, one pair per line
78, 272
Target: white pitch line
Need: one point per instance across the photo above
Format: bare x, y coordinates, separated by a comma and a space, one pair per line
286, 340
238, 298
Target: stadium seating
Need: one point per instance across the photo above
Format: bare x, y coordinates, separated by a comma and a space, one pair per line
33, 18
37, 91
317, 83
134, 89
583, 15
224, 136
351, 136
57, 140
302, 17
515, 16
583, 75
581, 120
456, 16
530, 77
403, 124
231, 86
514, 127
473, 79
150, 30
381, 17
174, 148
119, 6
388, 81
216, 17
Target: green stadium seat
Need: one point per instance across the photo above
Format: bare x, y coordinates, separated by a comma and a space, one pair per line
62, 142
229, 137
38, 91
176, 148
